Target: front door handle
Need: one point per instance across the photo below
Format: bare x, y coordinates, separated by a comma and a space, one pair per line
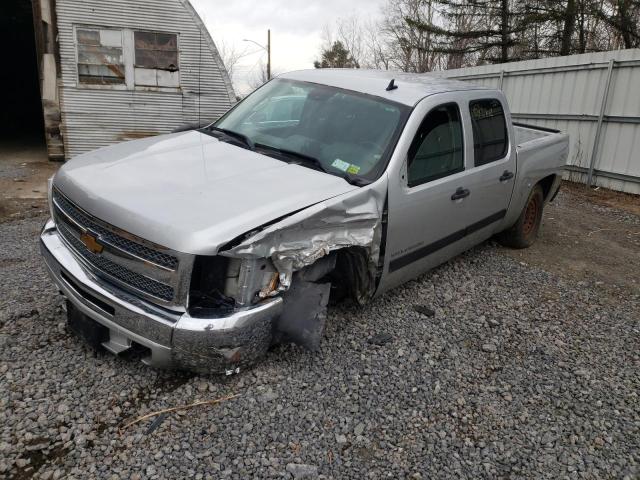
507, 175
460, 193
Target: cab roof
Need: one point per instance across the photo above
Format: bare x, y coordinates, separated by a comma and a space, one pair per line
412, 87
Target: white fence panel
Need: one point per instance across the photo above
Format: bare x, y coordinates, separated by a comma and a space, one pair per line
568, 94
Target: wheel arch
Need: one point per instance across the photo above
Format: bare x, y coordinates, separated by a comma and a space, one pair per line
547, 185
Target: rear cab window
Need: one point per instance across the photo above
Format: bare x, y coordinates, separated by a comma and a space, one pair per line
490, 138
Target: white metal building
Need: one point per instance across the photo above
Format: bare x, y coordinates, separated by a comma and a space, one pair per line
117, 70
595, 97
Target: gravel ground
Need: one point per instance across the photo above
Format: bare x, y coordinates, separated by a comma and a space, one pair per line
517, 372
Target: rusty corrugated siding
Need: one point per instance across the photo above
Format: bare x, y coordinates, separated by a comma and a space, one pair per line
96, 117
568, 91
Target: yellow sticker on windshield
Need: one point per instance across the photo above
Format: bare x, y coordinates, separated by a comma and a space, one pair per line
354, 169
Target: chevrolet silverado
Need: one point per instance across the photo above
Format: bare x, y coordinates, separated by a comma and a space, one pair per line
203, 248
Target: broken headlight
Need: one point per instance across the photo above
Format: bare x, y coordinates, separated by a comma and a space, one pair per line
206, 291
250, 280
220, 284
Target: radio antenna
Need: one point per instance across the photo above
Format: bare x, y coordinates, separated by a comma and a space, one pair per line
199, 68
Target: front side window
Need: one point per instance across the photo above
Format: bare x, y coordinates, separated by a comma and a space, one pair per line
437, 149
100, 60
489, 131
339, 131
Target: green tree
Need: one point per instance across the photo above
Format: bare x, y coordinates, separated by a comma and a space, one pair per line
623, 17
336, 56
491, 36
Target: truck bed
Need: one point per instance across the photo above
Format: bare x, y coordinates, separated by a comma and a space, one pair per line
547, 147
541, 152
528, 133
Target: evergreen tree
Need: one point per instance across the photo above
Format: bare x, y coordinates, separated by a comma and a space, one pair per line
491, 34
337, 56
623, 17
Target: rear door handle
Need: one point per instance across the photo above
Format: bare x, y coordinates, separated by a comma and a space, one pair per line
460, 193
507, 175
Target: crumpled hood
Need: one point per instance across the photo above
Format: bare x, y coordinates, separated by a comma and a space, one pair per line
188, 191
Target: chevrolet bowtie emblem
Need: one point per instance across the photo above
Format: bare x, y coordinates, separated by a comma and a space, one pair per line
91, 242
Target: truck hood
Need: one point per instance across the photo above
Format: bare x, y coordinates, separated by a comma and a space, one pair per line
189, 191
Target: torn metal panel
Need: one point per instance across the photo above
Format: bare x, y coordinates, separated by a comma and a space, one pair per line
304, 314
350, 220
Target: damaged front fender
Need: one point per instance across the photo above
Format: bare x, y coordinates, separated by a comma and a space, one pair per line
300, 248
350, 220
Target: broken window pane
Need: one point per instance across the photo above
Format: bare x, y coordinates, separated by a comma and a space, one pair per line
89, 37
167, 60
98, 75
144, 39
99, 64
99, 55
157, 51
166, 41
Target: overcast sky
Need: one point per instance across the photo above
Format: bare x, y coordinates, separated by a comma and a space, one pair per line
296, 29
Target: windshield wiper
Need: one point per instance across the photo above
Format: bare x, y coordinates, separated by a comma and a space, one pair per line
290, 153
236, 135
315, 163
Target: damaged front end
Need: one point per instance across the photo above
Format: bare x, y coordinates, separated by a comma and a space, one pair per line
270, 285
331, 248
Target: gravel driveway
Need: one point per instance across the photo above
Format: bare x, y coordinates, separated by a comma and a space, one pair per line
517, 372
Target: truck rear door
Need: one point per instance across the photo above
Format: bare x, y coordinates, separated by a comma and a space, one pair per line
440, 202
492, 175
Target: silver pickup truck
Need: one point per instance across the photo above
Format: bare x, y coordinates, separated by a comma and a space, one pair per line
202, 248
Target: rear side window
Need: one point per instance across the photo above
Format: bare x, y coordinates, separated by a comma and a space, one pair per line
489, 130
436, 150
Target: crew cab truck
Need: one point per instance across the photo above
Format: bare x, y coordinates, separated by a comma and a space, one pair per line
202, 248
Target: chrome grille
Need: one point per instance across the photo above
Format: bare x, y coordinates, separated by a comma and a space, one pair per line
125, 244
148, 271
133, 279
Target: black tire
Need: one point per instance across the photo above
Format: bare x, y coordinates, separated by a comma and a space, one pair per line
524, 232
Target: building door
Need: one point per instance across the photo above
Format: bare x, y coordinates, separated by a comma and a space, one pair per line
21, 113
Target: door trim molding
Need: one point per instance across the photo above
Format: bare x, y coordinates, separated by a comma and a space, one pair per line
422, 252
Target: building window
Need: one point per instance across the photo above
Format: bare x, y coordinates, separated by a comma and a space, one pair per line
100, 60
127, 59
156, 59
156, 50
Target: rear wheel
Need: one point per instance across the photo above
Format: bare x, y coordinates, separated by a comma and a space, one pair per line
525, 231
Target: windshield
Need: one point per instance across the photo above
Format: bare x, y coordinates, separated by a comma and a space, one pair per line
338, 131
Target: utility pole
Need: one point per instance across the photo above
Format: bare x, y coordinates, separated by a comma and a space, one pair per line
269, 54
267, 49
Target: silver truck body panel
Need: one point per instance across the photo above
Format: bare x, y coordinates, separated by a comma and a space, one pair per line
188, 191
349, 220
174, 340
427, 227
412, 87
538, 158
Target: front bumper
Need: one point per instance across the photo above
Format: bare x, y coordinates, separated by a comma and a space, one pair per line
174, 339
